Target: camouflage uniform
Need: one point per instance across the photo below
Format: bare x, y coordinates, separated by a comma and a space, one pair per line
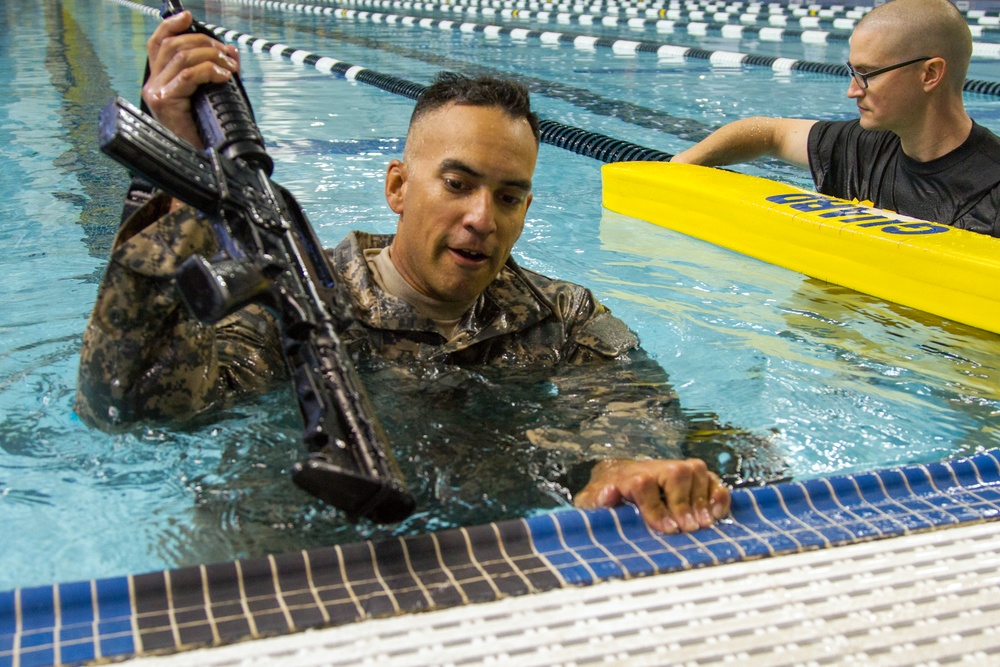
145, 357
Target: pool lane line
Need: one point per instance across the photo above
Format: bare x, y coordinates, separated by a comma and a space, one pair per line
590, 42
138, 7
660, 24
981, 17
583, 142
709, 7
687, 129
665, 20
730, 58
594, 145
811, 29
668, 21
566, 11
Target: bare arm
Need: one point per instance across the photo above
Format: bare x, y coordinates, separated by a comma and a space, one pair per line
750, 138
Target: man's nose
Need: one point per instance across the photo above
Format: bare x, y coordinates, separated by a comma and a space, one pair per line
854, 89
480, 214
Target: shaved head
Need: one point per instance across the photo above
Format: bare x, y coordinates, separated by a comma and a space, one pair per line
918, 28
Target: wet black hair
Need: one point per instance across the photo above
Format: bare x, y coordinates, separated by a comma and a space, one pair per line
480, 91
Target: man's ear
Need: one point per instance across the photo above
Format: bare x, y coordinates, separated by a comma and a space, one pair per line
395, 186
934, 72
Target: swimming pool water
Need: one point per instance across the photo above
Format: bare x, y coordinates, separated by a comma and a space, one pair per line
843, 382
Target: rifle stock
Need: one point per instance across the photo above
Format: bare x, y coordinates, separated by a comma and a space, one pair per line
269, 255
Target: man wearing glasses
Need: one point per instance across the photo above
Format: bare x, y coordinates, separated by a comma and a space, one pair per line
914, 150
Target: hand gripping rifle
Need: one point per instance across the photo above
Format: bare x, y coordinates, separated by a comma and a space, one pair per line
269, 255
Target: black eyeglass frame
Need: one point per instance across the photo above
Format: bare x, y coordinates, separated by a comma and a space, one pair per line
862, 77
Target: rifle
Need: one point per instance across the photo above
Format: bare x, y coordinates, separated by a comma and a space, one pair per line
269, 254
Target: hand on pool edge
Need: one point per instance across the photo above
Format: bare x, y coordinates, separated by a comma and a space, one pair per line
671, 495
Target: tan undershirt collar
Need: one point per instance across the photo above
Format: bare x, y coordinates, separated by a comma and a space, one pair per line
445, 314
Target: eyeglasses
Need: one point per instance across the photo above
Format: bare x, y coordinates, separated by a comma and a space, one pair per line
862, 77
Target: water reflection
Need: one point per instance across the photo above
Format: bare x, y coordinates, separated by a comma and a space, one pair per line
851, 382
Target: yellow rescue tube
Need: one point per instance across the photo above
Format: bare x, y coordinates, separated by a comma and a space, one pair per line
949, 272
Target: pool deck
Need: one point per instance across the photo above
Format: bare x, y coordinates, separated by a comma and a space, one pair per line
831, 536
927, 598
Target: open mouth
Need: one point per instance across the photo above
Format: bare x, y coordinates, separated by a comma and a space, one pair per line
470, 255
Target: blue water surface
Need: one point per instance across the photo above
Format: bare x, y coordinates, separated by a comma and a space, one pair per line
840, 381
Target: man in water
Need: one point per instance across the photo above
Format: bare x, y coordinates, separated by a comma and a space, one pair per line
914, 150
442, 290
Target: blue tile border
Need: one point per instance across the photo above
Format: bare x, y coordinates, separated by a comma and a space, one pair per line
210, 605
784, 518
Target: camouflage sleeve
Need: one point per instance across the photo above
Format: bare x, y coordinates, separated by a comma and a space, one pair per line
592, 332
627, 409
601, 335
143, 356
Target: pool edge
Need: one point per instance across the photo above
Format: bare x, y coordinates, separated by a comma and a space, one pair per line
180, 609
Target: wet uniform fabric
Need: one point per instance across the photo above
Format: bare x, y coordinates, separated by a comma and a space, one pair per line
145, 358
